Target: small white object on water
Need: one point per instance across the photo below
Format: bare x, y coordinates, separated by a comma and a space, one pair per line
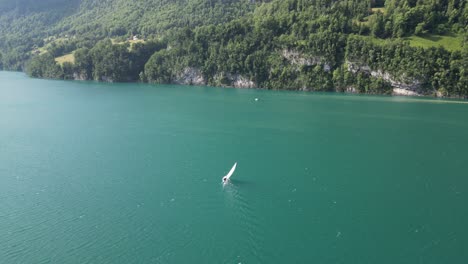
256, 99
226, 178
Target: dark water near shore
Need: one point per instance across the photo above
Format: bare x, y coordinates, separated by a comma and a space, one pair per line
131, 173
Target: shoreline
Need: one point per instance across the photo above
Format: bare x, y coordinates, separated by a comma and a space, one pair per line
396, 92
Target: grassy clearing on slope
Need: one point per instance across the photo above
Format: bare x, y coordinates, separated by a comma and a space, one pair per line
131, 41
450, 42
365, 20
379, 9
66, 58
42, 50
374, 40
114, 41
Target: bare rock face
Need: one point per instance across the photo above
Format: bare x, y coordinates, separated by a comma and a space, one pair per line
193, 76
441, 93
355, 67
296, 58
402, 85
410, 84
107, 79
234, 80
190, 76
240, 81
400, 91
79, 76
351, 89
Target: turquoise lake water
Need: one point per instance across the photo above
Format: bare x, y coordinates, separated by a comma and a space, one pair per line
131, 173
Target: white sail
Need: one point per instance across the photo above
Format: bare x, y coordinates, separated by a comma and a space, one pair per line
231, 171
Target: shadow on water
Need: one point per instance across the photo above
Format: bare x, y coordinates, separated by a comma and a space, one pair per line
241, 182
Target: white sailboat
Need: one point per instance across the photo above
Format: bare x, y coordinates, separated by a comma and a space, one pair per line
226, 178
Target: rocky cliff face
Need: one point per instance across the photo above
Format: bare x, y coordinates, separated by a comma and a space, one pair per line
193, 76
190, 76
107, 79
400, 91
402, 85
79, 76
233, 80
299, 59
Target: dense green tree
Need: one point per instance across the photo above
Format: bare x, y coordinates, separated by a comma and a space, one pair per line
140, 54
83, 63
158, 68
378, 25
44, 66
110, 62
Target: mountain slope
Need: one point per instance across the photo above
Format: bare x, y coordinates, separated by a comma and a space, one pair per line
118, 17
27, 24
353, 45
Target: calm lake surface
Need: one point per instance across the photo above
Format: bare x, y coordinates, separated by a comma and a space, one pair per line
131, 173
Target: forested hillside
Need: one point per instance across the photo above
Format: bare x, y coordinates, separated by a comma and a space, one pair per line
26, 26
375, 46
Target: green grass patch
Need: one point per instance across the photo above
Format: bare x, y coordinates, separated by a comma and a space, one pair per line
42, 50
379, 9
374, 40
131, 41
450, 42
136, 41
66, 58
116, 42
